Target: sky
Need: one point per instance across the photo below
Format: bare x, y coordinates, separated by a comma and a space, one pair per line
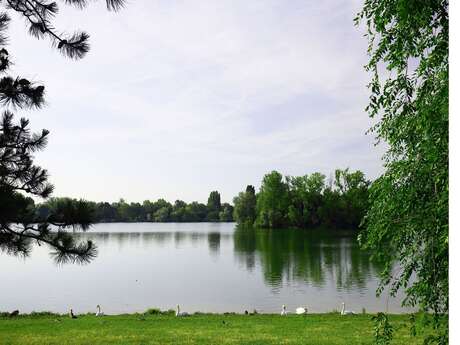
179, 98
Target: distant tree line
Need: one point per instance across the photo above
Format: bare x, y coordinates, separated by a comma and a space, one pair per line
305, 201
157, 211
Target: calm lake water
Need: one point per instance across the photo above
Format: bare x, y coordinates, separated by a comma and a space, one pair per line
209, 267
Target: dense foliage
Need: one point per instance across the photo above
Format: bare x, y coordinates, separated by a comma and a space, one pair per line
408, 216
245, 206
305, 201
20, 178
158, 211
214, 206
20, 225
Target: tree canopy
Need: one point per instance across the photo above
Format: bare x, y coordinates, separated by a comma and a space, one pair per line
245, 206
214, 206
407, 220
305, 201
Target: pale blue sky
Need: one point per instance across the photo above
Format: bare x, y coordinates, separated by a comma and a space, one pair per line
178, 98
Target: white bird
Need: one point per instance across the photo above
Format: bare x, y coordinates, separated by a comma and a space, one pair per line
301, 310
346, 312
283, 310
72, 315
179, 313
99, 312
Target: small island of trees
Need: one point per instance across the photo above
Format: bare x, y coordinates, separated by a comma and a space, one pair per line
305, 201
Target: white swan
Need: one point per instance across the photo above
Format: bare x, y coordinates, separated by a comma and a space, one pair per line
301, 310
179, 313
99, 312
283, 310
346, 312
72, 315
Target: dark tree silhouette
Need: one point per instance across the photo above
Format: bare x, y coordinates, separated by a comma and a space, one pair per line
214, 206
39, 16
20, 224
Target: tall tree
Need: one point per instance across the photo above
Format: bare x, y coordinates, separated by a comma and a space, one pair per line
354, 190
163, 211
244, 211
408, 216
20, 225
214, 206
179, 213
305, 199
272, 201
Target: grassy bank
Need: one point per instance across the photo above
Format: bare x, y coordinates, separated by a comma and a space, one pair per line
197, 329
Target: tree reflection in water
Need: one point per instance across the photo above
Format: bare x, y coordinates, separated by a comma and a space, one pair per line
313, 257
316, 257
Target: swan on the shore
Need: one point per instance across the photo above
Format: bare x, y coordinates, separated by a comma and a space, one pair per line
301, 310
179, 313
283, 310
99, 311
72, 315
346, 312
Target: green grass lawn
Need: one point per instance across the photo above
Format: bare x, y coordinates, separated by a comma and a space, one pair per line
198, 329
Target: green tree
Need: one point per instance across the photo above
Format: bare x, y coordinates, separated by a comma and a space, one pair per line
331, 212
149, 209
244, 211
297, 196
197, 211
104, 212
163, 211
354, 191
214, 206
305, 199
123, 210
226, 214
179, 211
136, 212
408, 216
272, 201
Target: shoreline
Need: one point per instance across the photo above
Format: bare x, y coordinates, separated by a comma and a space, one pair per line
171, 312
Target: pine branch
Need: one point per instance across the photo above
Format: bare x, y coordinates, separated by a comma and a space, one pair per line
39, 15
21, 93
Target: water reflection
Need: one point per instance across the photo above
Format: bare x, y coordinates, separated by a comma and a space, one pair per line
204, 266
157, 239
285, 255
214, 243
313, 257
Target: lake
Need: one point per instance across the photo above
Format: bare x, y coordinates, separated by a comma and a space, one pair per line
208, 267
